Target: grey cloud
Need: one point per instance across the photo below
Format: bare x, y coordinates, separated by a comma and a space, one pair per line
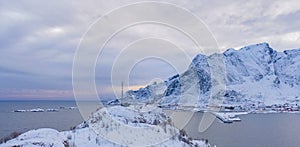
35, 53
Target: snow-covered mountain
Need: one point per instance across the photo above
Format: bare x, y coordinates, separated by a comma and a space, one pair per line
255, 74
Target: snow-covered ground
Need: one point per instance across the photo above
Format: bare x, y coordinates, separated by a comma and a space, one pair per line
113, 126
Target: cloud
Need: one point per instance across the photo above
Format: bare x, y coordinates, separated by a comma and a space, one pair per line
282, 7
38, 39
36, 94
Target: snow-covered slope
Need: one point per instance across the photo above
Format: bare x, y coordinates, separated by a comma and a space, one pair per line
113, 126
254, 74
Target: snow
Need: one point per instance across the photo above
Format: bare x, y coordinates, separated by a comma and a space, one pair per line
32, 110
45, 110
228, 117
52, 110
138, 128
21, 110
41, 137
254, 74
139, 125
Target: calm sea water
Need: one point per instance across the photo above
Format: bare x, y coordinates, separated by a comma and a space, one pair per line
23, 121
259, 130
255, 130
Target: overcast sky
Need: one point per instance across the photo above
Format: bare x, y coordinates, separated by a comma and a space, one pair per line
38, 40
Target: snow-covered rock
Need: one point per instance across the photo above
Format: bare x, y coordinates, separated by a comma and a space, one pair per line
113, 102
37, 110
138, 125
254, 74
37, 138
52, 110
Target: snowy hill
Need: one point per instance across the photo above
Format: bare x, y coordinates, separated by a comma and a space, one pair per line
115, 126
254, 74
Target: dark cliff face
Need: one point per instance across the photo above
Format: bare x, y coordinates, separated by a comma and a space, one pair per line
201, 66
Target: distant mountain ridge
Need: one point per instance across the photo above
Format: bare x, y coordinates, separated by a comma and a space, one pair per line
255, 74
